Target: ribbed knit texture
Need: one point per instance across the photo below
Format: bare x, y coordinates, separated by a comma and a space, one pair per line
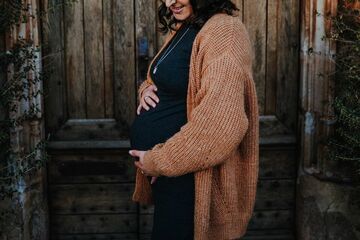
220, 141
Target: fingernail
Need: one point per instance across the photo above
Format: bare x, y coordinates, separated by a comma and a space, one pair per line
130, 152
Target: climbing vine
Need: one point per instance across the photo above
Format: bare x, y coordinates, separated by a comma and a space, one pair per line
344, 144
20, 91
17, 64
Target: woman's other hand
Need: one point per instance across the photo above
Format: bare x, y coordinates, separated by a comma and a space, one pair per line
153, 179
140, 163
148, 98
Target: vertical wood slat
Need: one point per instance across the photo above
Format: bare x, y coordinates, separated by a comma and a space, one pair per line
145, 25
255, 21
54, 89
239, 4
271, 56
3, 111
94, 65
287, 63
74, 59
124, 62
315, 82
146, 39
108, 58
160, 38
93, 223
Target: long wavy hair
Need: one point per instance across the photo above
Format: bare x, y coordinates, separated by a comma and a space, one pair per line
203, 10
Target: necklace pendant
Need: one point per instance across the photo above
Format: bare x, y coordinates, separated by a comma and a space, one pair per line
155, 69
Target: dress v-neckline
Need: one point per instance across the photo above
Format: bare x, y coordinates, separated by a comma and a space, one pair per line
168, 40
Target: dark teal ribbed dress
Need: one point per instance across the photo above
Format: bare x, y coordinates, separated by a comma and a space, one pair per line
173, 196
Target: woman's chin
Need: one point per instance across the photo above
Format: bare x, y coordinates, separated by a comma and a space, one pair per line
180, 17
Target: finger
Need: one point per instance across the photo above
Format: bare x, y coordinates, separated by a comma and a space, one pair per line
134, 153
153, 87
144, 104
154, 96
139, 165
138, 109
151, 92
150, 101
153, 179
150, 89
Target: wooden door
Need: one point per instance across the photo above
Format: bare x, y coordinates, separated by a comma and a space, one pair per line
99, 53
274, 27
90, 103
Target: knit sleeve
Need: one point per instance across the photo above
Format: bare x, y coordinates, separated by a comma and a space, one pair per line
215, 128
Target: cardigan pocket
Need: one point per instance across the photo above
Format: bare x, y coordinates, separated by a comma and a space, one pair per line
220, 210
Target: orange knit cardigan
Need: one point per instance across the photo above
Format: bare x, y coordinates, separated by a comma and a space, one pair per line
220, 141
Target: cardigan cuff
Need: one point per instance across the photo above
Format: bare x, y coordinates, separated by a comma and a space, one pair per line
149, 163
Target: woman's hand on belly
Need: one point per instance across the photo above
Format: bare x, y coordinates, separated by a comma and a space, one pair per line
148, 97
140, 163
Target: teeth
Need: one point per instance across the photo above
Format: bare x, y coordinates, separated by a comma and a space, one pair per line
176, 9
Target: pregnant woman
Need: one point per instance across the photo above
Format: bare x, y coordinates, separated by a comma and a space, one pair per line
195, 138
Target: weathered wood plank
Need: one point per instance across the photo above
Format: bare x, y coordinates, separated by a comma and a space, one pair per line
94, 58
90, 129
275, 194
98, 145
269, 219
145, 236
92, 199
74, 59
145, 24
3, 111
145, 223
255, 21
271, 126
250, 235
274, 132
271, 195
240, 5
269, 234
108, 58
95, 167
159, 36
95, 236
263, 236
54, 86
96, 223
271, 56
124, 63
277, 163
288, 63
272, 219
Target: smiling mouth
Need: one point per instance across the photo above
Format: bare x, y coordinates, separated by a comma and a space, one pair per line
176, 10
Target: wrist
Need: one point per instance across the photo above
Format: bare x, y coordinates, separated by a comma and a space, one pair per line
149, 164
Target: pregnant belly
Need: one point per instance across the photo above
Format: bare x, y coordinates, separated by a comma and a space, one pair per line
156, 125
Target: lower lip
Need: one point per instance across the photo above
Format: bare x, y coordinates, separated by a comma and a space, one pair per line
177, 10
